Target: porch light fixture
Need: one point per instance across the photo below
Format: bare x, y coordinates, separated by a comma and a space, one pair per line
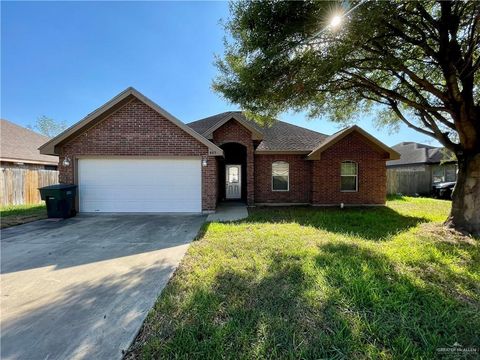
204, 161
66, 161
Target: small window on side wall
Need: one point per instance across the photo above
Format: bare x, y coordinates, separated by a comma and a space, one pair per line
349, 176
280, 176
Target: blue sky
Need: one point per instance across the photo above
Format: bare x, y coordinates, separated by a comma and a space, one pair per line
64, 59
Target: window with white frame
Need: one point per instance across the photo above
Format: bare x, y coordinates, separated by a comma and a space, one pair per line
280, 176
349, 176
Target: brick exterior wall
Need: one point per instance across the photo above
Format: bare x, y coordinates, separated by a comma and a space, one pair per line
311, 181
371, 173
138, 130
299, 174
233, 131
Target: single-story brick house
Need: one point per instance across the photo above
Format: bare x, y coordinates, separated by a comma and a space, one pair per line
130, 155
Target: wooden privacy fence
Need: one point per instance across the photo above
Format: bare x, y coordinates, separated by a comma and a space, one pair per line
408, 182
20, 186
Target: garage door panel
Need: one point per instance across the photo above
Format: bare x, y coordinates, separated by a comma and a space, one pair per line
140, 185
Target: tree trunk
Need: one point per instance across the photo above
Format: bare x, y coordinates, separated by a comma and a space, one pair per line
465, 213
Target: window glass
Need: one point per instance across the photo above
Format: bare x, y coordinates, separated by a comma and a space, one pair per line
349, 168
438, 174
280, 176
348, 178
233, 175
349, 183
451, 173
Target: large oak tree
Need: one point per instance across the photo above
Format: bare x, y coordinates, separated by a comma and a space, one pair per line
411, 62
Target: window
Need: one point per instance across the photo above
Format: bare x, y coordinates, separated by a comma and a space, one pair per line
438, 174
349, 176
447, 172
280, 176
233, 174
450, 173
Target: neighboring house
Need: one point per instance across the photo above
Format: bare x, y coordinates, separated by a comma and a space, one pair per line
420, 166
19, 148
130, 155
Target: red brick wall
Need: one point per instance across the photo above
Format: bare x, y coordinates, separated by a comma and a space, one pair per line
138, 130
315, 181
233, 131
371, 173
300, 179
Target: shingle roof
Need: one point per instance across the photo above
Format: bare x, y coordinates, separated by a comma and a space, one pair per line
415, 153
280, 136
20, 144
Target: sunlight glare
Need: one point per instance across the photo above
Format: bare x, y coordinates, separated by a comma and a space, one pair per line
336, 21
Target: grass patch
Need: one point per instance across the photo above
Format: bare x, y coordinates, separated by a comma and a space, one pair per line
321, 283
19, 214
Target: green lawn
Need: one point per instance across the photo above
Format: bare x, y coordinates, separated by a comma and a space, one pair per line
19, 214
310, 283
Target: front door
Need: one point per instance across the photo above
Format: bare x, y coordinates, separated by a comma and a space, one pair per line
233, 181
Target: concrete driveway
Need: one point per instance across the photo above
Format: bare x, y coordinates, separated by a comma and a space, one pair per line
81, 288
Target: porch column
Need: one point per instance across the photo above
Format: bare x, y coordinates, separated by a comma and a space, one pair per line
250, 176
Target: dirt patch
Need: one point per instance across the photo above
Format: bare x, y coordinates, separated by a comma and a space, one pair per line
20, 219
446, 234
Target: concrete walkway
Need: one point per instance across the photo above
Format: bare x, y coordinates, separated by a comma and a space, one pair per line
229, 211
80, 288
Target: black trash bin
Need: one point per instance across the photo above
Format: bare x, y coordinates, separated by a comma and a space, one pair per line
60, 200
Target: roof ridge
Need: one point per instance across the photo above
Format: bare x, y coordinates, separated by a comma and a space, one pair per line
301, 127
208, 117
417, 145
225, 113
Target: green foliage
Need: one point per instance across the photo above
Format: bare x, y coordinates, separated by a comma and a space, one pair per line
411, 58
313, 283
447, 156
21, 210
48, 126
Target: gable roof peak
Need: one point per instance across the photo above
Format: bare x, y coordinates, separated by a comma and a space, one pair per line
339, 135
49, 147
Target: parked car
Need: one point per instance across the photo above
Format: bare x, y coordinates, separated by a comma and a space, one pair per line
444, 190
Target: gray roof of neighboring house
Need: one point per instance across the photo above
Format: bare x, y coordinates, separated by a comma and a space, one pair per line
415, 153
280, 136
19, 144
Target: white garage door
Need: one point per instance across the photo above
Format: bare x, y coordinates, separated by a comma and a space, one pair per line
139, 185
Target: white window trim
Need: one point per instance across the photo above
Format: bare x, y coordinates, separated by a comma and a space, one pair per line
356, 176
288, 177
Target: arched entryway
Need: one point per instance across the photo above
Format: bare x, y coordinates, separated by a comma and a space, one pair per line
233, 172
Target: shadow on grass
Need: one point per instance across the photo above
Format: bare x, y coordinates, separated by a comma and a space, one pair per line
450, 260
343, 302
377, 223
401, 313
90, 319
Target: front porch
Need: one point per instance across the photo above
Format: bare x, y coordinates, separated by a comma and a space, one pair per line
229, 211
235, 174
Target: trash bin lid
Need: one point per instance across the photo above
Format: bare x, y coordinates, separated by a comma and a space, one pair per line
59, 187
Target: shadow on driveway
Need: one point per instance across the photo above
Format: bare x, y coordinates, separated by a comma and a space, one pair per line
91, 238
81, 288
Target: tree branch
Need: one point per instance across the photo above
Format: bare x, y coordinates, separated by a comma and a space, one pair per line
434, 110
397, 111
